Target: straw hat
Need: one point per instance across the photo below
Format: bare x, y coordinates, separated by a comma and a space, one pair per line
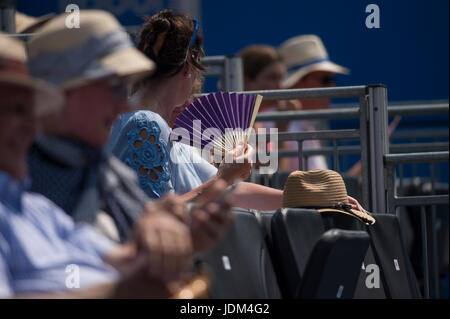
323, 190
305, 54
70, 57
14, 72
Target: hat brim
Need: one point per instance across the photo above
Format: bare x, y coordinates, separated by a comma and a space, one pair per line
47, 99
129, 63
33, 23
366, 219
327, 66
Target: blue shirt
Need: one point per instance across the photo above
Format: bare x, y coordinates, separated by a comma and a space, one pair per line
39, 244
141, 140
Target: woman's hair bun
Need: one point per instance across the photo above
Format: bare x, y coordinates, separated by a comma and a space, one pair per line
161, 25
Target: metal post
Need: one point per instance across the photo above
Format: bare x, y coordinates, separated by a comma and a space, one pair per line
379, 144
335, 156
232, 78
434, 286
364, 144
300, 155
391, 189
8, 16
426, 273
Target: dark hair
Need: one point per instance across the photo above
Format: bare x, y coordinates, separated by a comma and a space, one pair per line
166, 39
256, 57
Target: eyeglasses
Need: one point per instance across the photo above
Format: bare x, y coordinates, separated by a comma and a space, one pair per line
118, 87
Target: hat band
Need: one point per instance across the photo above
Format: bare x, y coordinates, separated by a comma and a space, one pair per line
302, 65
80, 61
340, 206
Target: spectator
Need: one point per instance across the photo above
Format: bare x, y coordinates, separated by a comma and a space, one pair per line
69, 164
308, 66
264, 69
174, 42
141, 138
38, 241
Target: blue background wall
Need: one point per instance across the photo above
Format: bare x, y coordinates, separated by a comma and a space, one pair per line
409, 53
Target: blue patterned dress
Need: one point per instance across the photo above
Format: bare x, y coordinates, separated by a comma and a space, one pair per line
141, 140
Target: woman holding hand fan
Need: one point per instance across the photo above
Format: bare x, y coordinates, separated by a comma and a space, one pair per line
141, 138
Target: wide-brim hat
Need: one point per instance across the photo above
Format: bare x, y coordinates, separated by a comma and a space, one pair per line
13, 72
322, 190
306, 54
28, 24
70, 55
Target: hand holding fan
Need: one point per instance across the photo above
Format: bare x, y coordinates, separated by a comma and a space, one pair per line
222, 119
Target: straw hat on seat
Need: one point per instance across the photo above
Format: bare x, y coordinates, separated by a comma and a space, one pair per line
323, 190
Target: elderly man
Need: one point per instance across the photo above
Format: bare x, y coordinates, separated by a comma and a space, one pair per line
308, 66
93, 65
39, 243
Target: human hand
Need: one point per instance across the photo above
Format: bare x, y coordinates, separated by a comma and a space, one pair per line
237, 163
163, 240
356, 205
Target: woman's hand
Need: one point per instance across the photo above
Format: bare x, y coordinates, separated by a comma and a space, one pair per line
356, 205
237, 163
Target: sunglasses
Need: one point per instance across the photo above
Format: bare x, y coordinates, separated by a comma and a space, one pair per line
118, 87
327, 80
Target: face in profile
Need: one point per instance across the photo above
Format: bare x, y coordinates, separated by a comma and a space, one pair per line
18, 128
269, 78
93, 108
317, 79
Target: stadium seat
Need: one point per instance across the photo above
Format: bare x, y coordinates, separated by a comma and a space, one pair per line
278, 179
333, 267
240, 263
367, 286
298, 246
389, 251
386, 252
294, 232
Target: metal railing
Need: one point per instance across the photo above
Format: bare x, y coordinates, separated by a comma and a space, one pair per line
372, 100
431, 285
379, 179
228, 68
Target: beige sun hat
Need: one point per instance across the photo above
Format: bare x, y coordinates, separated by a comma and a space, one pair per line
29, 24
14, 72
70, 57
305, 54
323, 190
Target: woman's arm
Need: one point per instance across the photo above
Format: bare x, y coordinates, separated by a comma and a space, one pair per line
254, 196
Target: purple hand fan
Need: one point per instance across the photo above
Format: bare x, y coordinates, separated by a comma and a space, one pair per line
220, 119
